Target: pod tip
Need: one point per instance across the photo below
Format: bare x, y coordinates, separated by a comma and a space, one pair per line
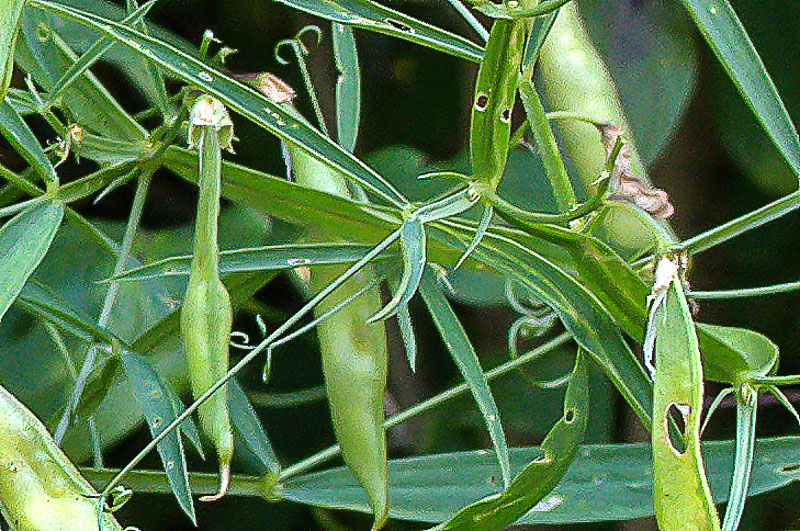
224, 481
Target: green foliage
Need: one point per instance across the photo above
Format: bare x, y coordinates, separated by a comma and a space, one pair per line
576, 236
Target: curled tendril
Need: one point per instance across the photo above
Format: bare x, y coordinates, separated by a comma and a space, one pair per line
243, 343
536, 320
531, 306
297, 45
300, 51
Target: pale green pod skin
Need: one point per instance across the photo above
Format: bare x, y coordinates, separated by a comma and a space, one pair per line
354, 356
573, 77
40, 489
681, 493
207, 314
10, 14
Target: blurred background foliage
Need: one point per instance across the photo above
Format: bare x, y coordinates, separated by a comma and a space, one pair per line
700, 141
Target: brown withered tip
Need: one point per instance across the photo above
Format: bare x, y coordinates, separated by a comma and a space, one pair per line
625, 184
270, 85
224, 482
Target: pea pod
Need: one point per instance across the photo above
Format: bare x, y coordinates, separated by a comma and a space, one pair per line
39, 487
10, 14
354, 353
495, 90
680, 488
572, 77
207, 315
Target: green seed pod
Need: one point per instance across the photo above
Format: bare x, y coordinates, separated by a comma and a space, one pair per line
40, 489
10, 14
207, 315
495, 90
572, 77
354, 356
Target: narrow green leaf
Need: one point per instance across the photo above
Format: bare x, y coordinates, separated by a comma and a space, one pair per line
495, 91
40, 300
369, 15
681, 490
723, 31
348, 86
413, 245
238, 97
188, 427
10, 14
409, 338
42, 53
249, 431
93, 54
269, 258
523, 9
480, 232
746, 407
153, 397
19, 135
542, 475
538, 32
605, 482
466, 359
784, 400
293, 202
579, 309
24, 241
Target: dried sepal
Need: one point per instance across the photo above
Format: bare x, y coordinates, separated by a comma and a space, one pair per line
626, 185
208, 111
270, 85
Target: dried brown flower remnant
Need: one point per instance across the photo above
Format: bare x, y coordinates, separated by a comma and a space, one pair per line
270, 85
626, 185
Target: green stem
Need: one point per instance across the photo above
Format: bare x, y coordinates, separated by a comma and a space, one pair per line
745, 292
793, 379
762, 216
426, 405
522, 218
727, 231
563, 192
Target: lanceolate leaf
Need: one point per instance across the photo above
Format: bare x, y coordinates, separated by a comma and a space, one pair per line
580, 311
249, 431
16, 131
543, 473
274, 257
348, 86
465, 357
372, 16
413, 243
605, 482
43, 54
10, 13
237, 96
24, 241
725, 34
153, 397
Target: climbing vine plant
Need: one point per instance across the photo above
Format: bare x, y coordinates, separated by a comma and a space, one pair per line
602, 266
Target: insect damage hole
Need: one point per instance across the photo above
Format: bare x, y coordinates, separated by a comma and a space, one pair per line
675, 426
481, 102
505, 116
396, 24
569, 416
